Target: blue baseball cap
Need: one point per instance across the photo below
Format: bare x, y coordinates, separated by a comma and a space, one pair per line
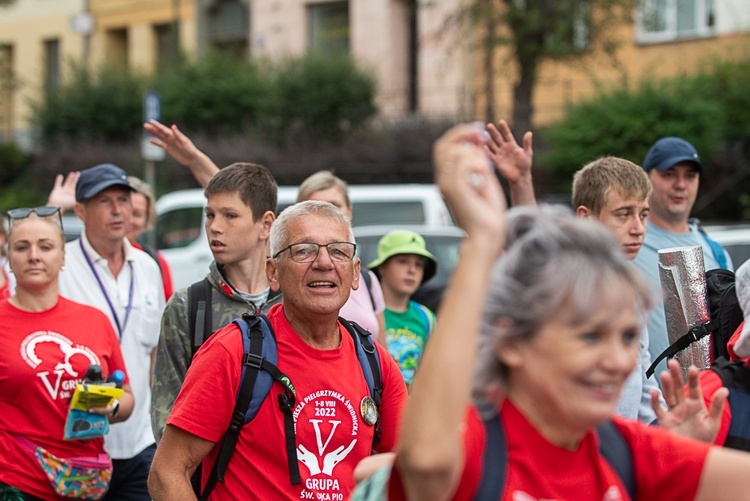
668, 152
96, 179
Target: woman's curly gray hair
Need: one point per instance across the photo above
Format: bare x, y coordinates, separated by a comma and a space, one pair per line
552, 260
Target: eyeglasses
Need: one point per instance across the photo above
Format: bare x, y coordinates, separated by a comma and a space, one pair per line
307, 252
43, 211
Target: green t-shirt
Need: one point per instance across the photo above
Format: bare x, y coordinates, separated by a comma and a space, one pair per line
406, 334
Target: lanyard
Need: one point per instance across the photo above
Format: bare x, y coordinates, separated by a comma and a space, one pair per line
120, 328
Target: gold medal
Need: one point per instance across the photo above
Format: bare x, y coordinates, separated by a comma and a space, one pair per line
369, 410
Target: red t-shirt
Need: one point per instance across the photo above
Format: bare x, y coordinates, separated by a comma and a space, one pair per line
667, 467
331, 435
44, 356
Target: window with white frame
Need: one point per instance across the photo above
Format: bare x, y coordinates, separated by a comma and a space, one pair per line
668, 20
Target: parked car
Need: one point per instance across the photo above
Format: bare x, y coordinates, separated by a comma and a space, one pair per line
441, 241
72, 226
735, 238
181, 235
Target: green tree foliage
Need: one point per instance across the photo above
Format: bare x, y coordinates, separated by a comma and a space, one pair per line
105, 105
625, 124
711, 110
14, 177
322, 95
309, 97
537, 31
215, 95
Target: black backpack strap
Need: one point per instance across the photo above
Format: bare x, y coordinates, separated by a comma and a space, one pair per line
733, 373
495, 461
250, 325
367, 279
694, 334
367, 354
612, 446
199, 313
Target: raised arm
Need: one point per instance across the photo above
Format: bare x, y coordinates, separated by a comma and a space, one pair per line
182, 149
513, 162
430, 436
63, 192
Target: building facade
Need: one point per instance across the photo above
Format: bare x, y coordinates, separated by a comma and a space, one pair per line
425, 60
668, 38
36, 38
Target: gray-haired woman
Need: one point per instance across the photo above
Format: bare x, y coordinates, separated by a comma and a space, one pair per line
551, 329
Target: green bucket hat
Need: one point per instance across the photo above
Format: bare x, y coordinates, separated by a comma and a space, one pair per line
404, 242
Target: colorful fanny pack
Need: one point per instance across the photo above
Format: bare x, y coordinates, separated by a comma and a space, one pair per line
78, 478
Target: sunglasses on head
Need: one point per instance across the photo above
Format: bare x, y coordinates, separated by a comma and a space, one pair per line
43, 211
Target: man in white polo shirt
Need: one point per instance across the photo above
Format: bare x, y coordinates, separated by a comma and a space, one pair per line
105, 271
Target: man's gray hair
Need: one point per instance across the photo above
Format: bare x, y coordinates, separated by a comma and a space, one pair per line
280, 236
553, 260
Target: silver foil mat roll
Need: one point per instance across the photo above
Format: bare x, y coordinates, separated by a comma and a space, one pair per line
683, 283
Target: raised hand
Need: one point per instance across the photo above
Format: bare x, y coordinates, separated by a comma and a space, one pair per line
464, 174
688, 415
171, 140
513, 162
63, 192
182, 149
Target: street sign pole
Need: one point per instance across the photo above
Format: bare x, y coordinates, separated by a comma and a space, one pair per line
151, 153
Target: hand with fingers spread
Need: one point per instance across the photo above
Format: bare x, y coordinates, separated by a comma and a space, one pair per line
512, 161
686, 412
63, 192
465, 177
182, 149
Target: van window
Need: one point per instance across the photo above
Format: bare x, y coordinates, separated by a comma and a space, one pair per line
372, 213
178, 228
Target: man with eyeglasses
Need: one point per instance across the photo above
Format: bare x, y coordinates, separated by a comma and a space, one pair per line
313, 261
103, 270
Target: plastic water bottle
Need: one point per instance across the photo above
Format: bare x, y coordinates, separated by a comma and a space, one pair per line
117, 377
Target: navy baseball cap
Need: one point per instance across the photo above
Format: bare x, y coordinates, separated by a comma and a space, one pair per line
96, 179
668, 152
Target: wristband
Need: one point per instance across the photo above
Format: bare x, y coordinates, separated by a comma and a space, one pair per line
115, 407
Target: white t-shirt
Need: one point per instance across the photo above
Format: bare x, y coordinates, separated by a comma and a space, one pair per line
140, 332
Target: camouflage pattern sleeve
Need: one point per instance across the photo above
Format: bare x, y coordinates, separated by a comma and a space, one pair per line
172, 360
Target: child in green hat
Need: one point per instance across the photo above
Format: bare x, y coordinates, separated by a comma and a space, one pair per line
402, 265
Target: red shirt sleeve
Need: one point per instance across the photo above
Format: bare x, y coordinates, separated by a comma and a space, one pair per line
710, 382
667, 466
474, 443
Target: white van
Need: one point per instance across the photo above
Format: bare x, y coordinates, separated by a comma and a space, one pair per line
181, 233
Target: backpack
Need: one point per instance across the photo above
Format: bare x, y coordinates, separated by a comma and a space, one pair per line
199, 313
725, 316
735, 375
612, 446
259, 372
